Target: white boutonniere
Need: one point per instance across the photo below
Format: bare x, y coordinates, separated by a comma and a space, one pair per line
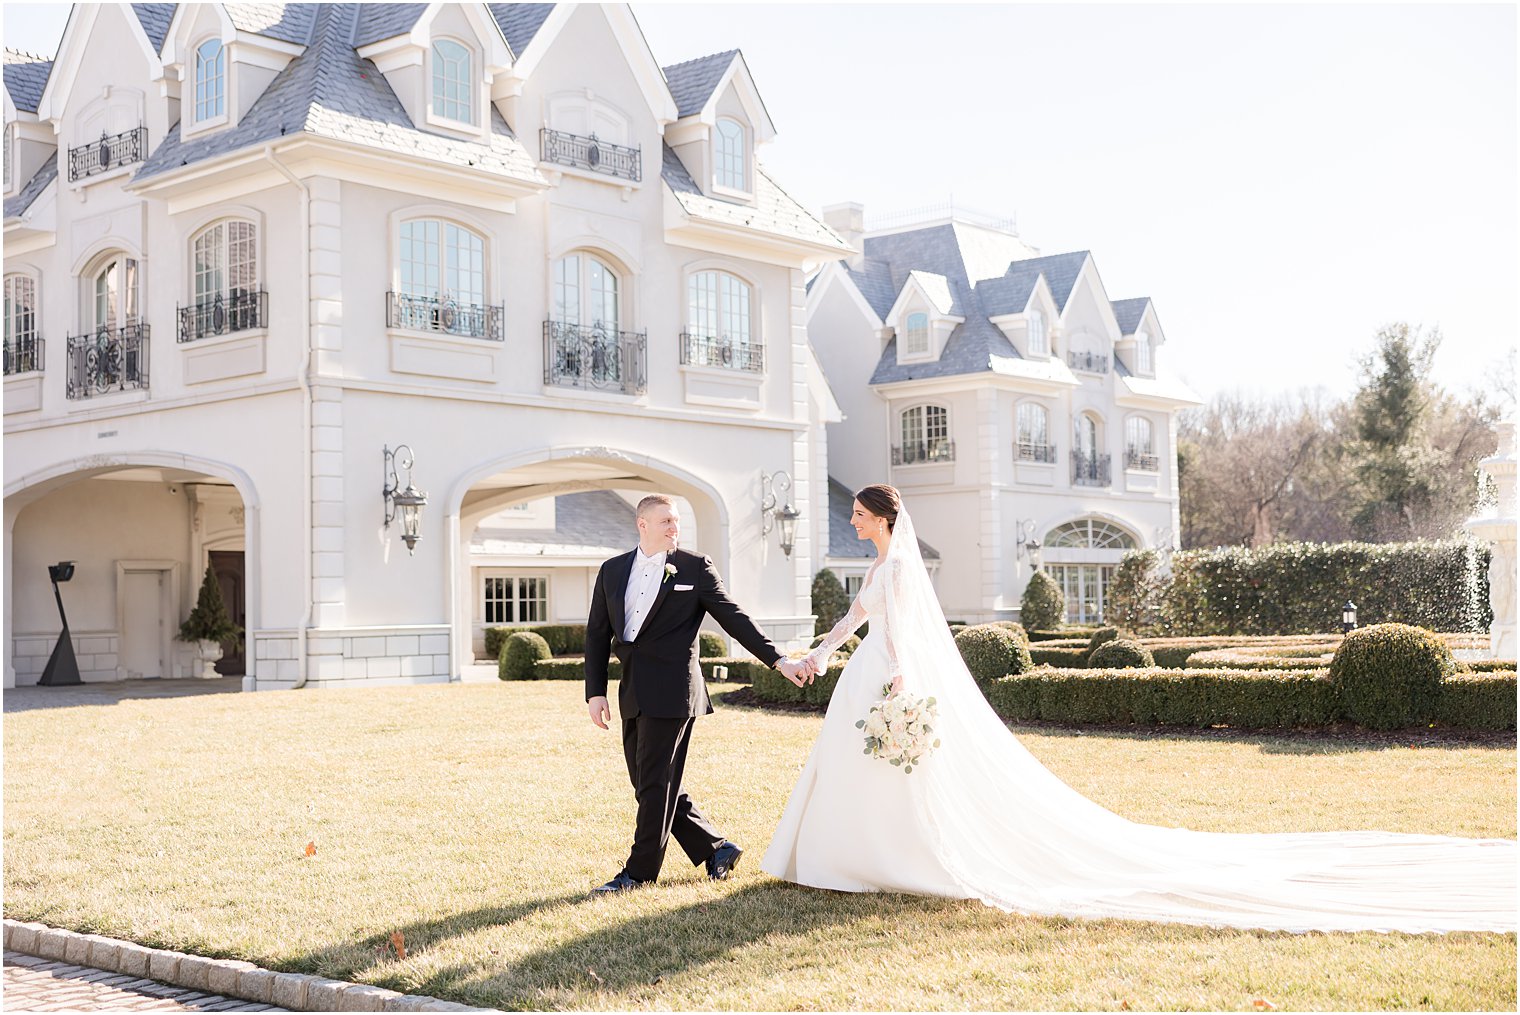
670, 572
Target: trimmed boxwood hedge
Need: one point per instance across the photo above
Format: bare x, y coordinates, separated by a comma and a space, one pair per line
1247, 699
1298, 588
1257, 657
1121, 653
1071, 658
563, 639
711, 645
1478, 701
1389, 675
1485, 665
991, 651
519, 653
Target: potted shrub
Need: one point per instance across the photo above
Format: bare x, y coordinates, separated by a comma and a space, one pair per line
209, 624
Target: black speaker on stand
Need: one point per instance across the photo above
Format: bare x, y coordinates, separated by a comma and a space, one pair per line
62, 669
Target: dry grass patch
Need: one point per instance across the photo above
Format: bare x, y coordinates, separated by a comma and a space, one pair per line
474, 818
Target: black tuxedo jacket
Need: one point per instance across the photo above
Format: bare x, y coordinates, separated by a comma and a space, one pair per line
661, 676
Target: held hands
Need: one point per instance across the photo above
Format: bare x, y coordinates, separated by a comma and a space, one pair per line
798, 671
601, 713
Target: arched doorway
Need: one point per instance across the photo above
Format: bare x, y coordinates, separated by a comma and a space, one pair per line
1082, 555
548, 483
141, 531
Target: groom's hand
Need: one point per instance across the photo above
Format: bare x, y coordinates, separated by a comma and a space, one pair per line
601, 714
789, 671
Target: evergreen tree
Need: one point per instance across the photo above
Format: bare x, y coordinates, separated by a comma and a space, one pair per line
209, 621
829, 601
1043, 606
1394, 462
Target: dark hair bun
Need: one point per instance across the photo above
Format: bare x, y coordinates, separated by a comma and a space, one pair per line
881, 500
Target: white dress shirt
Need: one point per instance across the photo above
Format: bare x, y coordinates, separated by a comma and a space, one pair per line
643, 586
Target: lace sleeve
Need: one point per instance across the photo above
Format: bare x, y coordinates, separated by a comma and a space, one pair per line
842, 630
894, 595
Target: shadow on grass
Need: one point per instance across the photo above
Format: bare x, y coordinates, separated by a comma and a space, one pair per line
113, 692
639, 952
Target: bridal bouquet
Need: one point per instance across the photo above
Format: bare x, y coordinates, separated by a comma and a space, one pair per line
900, 729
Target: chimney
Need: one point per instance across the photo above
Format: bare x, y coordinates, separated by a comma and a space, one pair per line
849, 221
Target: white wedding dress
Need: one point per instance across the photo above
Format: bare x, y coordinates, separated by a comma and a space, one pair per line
982, 818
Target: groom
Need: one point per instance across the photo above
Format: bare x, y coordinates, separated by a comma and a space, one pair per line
646, 608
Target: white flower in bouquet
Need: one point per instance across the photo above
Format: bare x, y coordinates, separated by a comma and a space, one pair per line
900, 730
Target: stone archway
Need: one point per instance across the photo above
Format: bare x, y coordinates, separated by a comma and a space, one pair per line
529, 476
131, 521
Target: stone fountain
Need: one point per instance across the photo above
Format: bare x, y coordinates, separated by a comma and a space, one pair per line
1499, 530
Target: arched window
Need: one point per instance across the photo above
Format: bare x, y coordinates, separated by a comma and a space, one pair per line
1034, 434
585, 346
453, 88
1089, 465
1081, 557
21, 351
916, 335
586, 293
1039, 338
1142, 353
925, 436
443, 280
225, 266
1139, 445
210, 80
728, 155
115, 297
1087, 434
718, 323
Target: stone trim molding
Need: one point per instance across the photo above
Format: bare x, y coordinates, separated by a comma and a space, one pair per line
229, 977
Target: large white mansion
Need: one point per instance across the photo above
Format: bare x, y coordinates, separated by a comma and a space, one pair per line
252, 250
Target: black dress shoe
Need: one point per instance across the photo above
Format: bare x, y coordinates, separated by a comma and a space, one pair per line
621, 883
723, 861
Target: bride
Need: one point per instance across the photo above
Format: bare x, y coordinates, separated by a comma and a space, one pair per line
981, 818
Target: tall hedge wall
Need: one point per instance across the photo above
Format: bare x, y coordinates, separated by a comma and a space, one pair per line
1298, 588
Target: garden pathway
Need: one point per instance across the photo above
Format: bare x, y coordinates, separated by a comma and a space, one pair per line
35, 984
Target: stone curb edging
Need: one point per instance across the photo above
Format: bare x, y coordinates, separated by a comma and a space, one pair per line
229, 977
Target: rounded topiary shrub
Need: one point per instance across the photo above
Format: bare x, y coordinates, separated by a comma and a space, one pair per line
1120, 654
1043, 605
1015, 627
991, 652
710, 645
1102, 636
1389, 675
519, 654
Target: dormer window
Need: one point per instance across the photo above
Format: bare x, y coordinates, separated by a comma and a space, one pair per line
729, 155
916, 335
1143, 353
210, 81
1039, 338
453, 90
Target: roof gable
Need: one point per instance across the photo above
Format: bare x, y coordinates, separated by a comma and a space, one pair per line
45, 175
1129, 312
545, 29
329, 91
155, 19
693, 82
26, 76
520, 22
76, 37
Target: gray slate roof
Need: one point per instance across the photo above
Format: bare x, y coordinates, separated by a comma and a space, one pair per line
692, 82
18, 204
874, 280
286, 22
842, 539
774, 211
597, 521
520, 22
1129, 312
385, 21
1060, 271
329, 92
155, 19
25, 78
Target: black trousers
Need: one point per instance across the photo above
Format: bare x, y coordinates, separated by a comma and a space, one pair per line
655, 750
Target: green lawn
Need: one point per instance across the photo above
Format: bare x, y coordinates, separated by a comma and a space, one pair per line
474, 818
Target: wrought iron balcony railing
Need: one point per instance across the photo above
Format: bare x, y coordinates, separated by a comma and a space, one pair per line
224, 314
445, 316
109, 152
594, 357
591, 153
1027, 451
112, 359
1087, 362
1090, 470
915, 452
1144, 461
709, 351
24, 354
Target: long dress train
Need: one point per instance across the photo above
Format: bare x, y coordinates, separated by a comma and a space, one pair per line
982, 818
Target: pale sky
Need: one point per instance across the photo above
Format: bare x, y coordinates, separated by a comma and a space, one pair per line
1281, 180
